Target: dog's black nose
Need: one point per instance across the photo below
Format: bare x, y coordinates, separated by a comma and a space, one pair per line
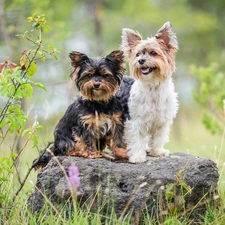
141, 61
96, 85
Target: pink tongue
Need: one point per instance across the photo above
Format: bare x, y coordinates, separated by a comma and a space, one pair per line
145, 70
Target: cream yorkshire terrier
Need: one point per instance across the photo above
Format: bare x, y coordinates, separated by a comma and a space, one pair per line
152, 103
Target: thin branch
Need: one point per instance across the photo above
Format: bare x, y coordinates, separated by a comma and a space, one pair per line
25, 144
15, 162
27, 38
48, 201
3, 138
130, 200
21, 185
25, 179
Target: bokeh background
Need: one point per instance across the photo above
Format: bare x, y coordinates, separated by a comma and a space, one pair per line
94, 28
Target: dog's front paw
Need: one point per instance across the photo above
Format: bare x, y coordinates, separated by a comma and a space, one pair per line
160, 152
42, 161
120, 153
138, 157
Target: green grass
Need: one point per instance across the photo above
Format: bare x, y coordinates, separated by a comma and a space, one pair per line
187, 135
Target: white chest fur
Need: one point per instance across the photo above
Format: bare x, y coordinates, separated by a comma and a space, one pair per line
153, 103
152, 109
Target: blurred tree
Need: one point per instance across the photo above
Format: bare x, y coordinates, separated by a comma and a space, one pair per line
15, 11
198, 23
210, 95
98, 26
4, 31
210, 92
211, 41
101, 21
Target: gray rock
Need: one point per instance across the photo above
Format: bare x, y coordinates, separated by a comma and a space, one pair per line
157, 187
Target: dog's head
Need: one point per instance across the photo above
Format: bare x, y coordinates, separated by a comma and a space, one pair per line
97, 78
153, 58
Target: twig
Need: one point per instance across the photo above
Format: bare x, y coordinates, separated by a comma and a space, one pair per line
25, 179
25, 144
66, 176
160, 204
132, 196
3, 138
17, 171
45, 197
21, 185
29, 39
93, 199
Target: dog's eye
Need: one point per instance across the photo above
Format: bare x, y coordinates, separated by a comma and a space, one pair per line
89, 75
153, 53
138, 54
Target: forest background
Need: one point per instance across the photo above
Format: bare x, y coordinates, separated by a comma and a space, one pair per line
94, 27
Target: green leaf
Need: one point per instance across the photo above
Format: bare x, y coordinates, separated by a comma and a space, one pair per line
25, 132
170, 195
55, 57
3, 90
28, 90
30, 18
3, 179
13, 124
170, 191
19, 35
179, 173
38, 127
35, 25
32, 68
46, 27
4, 122
35, 140
184, 185
40, 85
41, 56
52, 47
13, 155
43, 59
210, 123
39, 53
11, 89
18, 95
17, 71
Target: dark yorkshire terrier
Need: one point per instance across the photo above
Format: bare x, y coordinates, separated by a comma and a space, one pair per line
96, 119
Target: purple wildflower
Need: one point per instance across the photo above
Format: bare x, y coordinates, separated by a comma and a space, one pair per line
74, 178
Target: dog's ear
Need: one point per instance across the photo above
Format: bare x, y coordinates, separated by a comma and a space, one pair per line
77, 59
130, 39
117, 59
117, 55
168, 36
